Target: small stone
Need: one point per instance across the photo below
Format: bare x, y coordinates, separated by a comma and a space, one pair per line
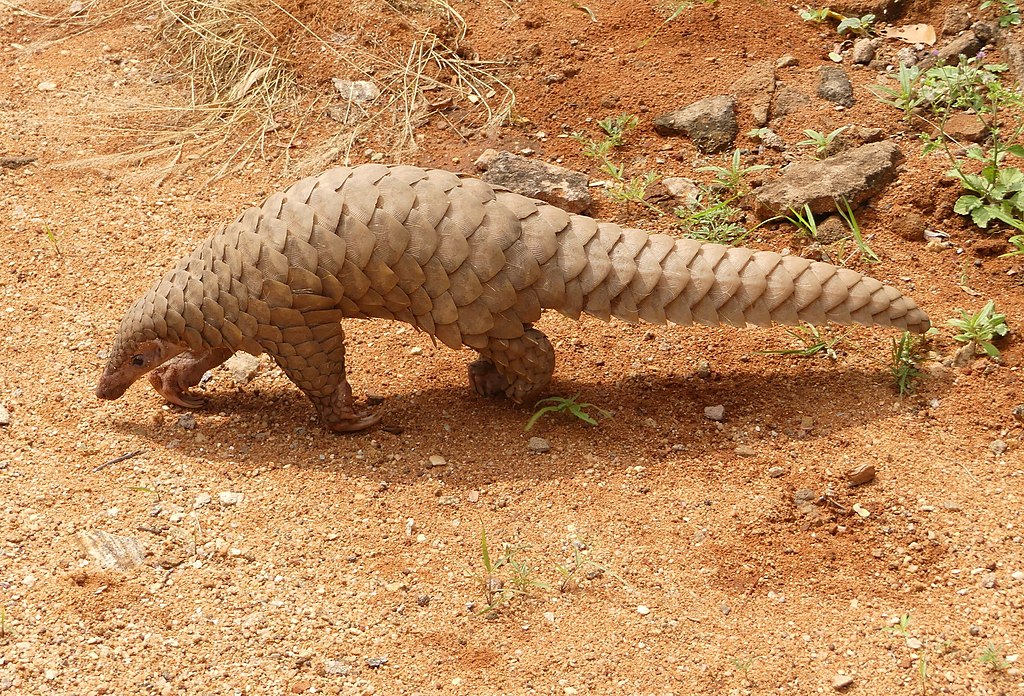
187, 421
704, 369
538, 445
684, 191
415, 350
300, 687
356, 91
242, 367
787, 61
989, 581
5, 416
997, 447
336, 668
643, 610
861, 510
423, 600
473, 496
804, 495
861, 474
776, 471
1018, 575
229, 498
202, 500
974, 631
913, 643
863, 51
376, 662
745, 451
1017, 412
841, 681
714, 413
46, 86
436, 460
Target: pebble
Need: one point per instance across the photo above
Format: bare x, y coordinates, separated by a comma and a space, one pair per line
202, 500
187, 421
229, 498
746, 451
776, 471
242, 367
861, 510
787, 61
538, 445
841, 681
913, 643
1018, 412
1018, 575
46, 86
643, 610
861, 474
415, 350
989, 582
357, 91
704, 369
5, 415
437, 460
336, 668
375, 662
997, 447
714, 413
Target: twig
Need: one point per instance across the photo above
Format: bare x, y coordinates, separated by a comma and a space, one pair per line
115, 460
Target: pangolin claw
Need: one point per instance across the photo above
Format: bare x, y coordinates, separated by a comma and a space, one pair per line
173, 393
355, 422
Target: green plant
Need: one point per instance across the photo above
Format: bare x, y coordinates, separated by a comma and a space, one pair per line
561, 404
813, 342
819, 15
981, 328
994, 659
732, 176
716, 222
804, 222
632, 190
861, 26
498, 590
903, 365
867, 255
53, 238
621, 189
901, 628
905, 96
1017, 242
820, 141
679, 9
617, 127
582, 559
1009, 11
743, 665
996, 193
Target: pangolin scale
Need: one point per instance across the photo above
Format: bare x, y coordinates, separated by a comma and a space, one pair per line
461, 260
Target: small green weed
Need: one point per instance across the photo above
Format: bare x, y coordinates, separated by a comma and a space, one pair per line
518, 577
743, 665
582, 560
716, 221
53, 239
981, 328
679, 9
804, 222
820, 141
855, 25
632, 190
561, 404
901, 628
1009, 11
903, 365
617, 127
813, 342
733, 176
994, 659
905, 96
867, 255
1017, 242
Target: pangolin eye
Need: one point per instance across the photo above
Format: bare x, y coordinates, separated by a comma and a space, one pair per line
138, 360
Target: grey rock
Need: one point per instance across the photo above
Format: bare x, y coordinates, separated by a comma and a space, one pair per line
967, 44
997, 447
5, 416
242, 367
863, 51
710, 123
955, 20
776, 472
714, 413
187, 421
357, 91
907, 56
855, 175
804, 496
336, 668
841, 681
684, 191
771, 139
111, 550
788, 101
834, 85
229, 498
787, 60
1018, 413
558, 186
538, 445
745, 451
376, 662
755, 88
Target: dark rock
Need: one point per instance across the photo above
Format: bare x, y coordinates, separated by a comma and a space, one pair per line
558, 186
855, 175
710, 123
9, 162
864, 51
834, 85
967, 44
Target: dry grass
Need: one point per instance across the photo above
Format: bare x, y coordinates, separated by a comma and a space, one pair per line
244, 102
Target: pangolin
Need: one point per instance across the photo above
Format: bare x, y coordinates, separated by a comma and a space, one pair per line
466, 262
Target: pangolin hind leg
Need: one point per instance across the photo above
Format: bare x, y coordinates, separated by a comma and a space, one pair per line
175, 377
313, 357
520, 368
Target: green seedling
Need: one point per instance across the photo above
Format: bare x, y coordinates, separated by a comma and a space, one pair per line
861, 26
499, 591
1017, 242
994, 659
1009, 11
905, 96
632, 190
561, 404
821, 14
733, 176
903, 365
716, 221
901, 628
680, 8
617, 127
582, 561
981, 328
813, 342
53, 238
743, 665
867, 255
820, 141
804, 222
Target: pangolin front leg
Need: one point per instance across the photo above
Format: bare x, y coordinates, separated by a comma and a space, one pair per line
520, 368
175, 377
313, 357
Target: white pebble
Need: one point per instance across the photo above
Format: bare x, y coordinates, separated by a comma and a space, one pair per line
643, 610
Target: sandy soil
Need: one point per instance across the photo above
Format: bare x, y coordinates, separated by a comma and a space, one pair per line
279, 558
